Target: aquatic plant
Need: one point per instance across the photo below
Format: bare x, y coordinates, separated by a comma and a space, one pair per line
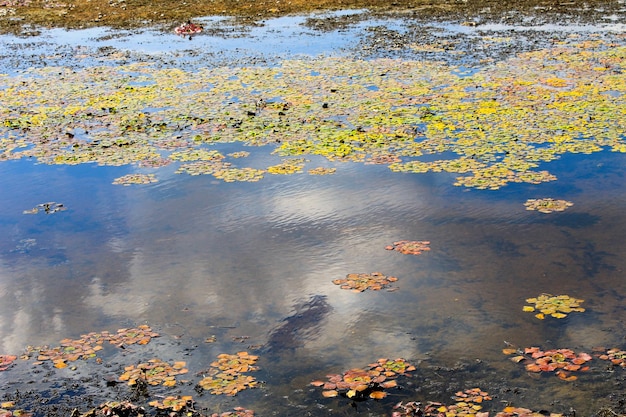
202, 167
364, 383
154, 372
322, 171
493, 127
227, 374
135, 179
467, 404
288, 166
616, 356
173, 402
547, 205
87, 345
563, 362
237, 412
6, 361
239, 174
410, 247
361, 282
558, 306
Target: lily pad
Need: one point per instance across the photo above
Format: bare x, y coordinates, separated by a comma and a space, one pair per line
154, 372
87, 346
135, 179
468, 403
174, 403
237, 412
616, 356
547, 205
363, 383
558, 306
227, 374
562, 362
6, 361
361, 282
410, 247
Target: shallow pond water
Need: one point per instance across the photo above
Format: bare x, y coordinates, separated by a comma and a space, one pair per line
249, 266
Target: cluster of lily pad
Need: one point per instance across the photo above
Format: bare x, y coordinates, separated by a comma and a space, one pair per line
288, 166
237, 412
239, 174
6, 361
418, 117
135, 179
560, 361
616, 356
87, 345
547, 205
368, 382
322, 171
173, 402
48, 208
410, 247
468, 403
361, 282
228, 376
154, 372
558, 306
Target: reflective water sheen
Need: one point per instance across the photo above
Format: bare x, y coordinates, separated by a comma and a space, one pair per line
194, 257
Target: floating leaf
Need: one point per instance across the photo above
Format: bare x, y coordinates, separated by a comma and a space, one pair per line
173, 403
378, 395
410, 247
288, 166
556, 306
361, 383
6, 361
87, 346
615, 356
322, 171
226, 375
153, 372
561, 361
361, 282
547, 205
135, 179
